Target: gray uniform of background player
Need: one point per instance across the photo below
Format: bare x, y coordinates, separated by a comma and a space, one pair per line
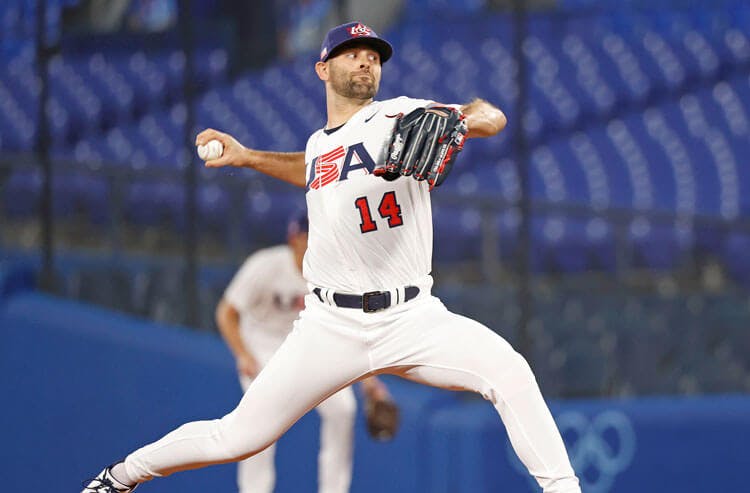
332, 346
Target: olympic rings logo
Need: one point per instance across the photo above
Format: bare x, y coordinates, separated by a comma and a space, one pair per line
600, 447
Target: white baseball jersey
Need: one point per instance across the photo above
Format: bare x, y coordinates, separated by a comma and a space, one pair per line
268, 292
366, 233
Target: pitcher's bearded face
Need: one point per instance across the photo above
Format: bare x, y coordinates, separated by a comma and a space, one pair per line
355, 72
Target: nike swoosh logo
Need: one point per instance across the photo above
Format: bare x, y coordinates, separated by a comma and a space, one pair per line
371, 116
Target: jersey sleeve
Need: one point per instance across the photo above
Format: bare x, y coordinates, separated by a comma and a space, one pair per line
309, 147
246, 285
405, 104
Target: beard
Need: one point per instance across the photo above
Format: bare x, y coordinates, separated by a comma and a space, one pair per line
354, 87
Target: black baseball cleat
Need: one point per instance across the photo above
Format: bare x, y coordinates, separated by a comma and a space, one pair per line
106, 483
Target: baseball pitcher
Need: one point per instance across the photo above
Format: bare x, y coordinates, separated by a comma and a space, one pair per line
368, 176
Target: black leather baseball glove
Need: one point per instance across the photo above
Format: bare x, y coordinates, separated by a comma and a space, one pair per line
425, 144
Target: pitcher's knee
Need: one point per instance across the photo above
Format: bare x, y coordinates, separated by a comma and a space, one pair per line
520, 367
240, 441
508, 376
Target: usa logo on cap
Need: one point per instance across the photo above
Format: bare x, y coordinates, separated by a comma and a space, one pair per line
360, 30
354, 32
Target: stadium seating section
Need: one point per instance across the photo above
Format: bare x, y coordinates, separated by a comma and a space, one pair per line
637, 112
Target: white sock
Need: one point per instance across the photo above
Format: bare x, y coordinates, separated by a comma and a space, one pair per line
120, 474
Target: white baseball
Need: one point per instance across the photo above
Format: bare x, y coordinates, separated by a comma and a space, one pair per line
212, 150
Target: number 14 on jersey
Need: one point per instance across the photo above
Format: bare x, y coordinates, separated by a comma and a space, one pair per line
388, 209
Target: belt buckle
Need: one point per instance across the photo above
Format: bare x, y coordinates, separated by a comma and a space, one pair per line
366, 302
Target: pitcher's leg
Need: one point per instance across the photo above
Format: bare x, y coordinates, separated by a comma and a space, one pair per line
258, 473
337, 414
457, 352
312, 364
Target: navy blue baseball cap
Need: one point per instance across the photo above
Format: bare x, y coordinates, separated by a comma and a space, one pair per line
354, 32
297, 224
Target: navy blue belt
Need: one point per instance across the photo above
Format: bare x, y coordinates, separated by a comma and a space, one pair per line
369, 302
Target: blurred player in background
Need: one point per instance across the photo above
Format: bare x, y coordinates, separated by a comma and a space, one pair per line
254, 317
368, 263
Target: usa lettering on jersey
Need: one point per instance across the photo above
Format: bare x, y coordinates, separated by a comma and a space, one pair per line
336, 164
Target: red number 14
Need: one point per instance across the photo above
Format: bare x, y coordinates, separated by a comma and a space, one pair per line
388, 209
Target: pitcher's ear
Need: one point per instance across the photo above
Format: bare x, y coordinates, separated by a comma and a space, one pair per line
321, 68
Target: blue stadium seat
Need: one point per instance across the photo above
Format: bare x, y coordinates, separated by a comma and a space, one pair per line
148, 80
737, 46
572, 173
547, 181
69, 80
16, 121
110, 86
596, 94
619, 56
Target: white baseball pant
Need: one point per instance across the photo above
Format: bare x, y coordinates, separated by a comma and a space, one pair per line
257, 474
331, 348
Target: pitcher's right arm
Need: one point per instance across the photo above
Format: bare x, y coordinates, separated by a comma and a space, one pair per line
286, 166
